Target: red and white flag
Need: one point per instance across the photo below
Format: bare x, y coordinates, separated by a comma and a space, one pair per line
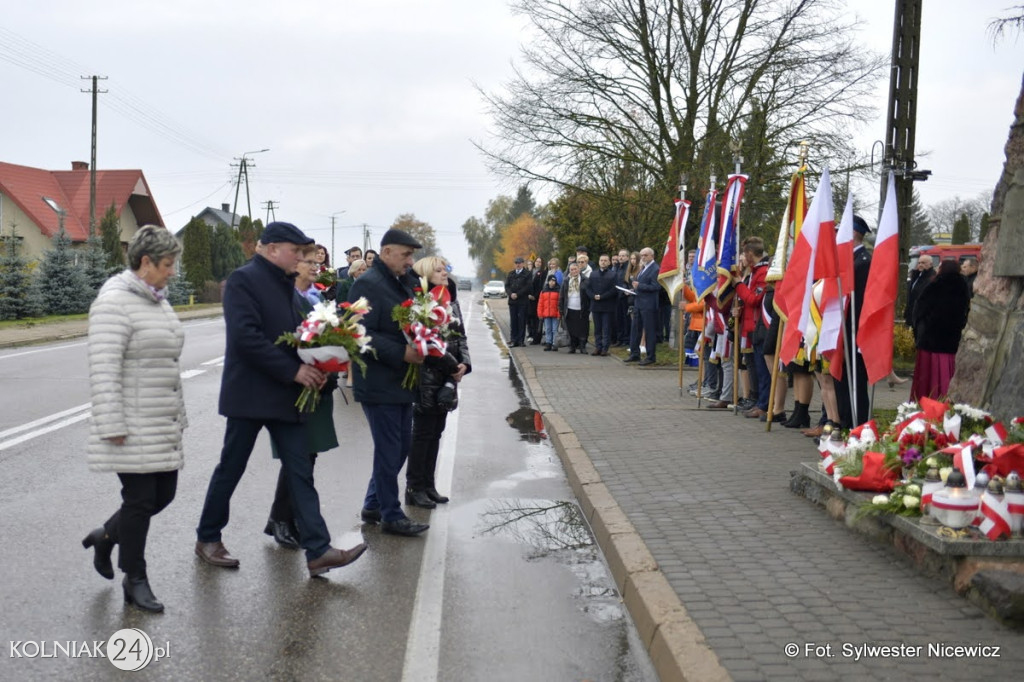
673, 261
844, 250
996, 433
995, 517
878, 313
793, 294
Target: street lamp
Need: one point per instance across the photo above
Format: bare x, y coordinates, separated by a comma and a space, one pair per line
243, 169
60, 216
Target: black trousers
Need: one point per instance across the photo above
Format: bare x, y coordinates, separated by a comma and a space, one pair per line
847, 418
143, 496
426, 441
282, 509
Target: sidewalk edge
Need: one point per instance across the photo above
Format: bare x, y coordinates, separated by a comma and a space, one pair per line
674, 642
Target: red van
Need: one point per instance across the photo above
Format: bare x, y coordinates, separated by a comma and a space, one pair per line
941, 252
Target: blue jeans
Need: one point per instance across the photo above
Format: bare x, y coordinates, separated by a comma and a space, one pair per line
292, 446
550, 328
391, 428
602, 329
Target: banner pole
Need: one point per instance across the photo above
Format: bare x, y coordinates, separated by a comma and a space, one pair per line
775, 378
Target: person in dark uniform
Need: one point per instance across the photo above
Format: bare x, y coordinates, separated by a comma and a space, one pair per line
260, 385
518, 285
849, 416
386, 403
538, 276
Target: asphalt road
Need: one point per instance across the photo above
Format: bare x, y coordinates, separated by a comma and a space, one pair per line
506, 585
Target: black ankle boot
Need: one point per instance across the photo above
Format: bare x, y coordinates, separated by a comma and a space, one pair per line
801, 418
418, 498
138, 593
282, 533
103, 546
436, 496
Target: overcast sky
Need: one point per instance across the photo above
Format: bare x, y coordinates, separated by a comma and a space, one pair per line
370, 107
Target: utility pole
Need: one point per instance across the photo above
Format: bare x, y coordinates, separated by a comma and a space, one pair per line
366, 238
902, 116
243, 171
332, 217
92, 161
270, 205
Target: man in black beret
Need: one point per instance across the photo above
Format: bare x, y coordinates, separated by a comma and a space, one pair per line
386, 404
259, 387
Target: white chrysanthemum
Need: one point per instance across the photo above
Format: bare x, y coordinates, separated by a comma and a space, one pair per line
879, 499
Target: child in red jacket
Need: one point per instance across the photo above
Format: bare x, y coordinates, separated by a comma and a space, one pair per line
547, 311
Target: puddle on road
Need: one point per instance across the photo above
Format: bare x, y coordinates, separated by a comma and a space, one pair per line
556, 529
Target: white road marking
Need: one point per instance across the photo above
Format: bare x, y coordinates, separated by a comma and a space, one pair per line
215, 361
48, 349
52, 425
423, 649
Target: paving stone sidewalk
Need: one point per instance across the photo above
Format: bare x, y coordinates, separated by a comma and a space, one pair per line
755, 566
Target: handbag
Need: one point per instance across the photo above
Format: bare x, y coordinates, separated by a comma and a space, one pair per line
562, 335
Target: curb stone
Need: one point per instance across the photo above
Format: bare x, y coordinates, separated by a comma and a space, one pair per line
674, 643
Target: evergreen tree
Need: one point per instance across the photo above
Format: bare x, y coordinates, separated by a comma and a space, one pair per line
60, 285
983, 226
14, 280
523, 203
961, 230
920, 228
225, 252
195, 258
249, 233
179, 288
94, 261
110, 234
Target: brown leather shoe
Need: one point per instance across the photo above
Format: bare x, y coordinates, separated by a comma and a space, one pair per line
755, 413
717, 405
812, 433
334, 558
595, 352
215, 554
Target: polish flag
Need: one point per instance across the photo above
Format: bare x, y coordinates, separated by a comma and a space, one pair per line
996, 433
878, 313
844, 250
793, 294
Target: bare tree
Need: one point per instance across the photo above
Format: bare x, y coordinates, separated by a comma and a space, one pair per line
942, 215
618, 97
1013, 20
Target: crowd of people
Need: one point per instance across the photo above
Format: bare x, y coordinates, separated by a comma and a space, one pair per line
629, 308
138, 410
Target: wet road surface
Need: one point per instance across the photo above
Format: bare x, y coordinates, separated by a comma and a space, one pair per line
507, 583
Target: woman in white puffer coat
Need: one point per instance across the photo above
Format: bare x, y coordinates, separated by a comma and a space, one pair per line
138, 412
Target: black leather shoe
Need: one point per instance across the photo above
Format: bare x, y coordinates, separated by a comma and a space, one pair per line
104, 546
370, 515
632, 358
436, 496
403, 527
138, 593
418, 498
646, 361
281, 531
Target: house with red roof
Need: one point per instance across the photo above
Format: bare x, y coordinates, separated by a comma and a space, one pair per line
31, 200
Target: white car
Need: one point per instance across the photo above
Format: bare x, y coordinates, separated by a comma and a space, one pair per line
494, 289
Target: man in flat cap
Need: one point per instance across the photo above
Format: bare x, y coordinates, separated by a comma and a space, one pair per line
387, 406
518, 285
259, 387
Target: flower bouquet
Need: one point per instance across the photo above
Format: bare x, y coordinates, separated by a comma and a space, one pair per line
325, 279
329, 338
424, 320
904, 500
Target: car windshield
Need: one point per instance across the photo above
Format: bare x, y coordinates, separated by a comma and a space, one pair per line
495, 283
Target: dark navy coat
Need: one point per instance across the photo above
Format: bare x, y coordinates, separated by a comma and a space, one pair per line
647, 288
385, 372
259, 376
603, 284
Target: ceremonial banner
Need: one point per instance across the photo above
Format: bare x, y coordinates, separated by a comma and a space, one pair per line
705, 265
729, 233
844, 249
792, 221
793, 294
878, 313
672, 270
